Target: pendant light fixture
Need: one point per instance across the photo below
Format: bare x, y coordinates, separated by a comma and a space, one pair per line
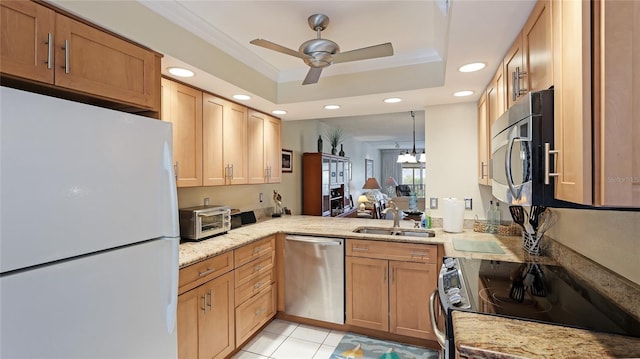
412, 157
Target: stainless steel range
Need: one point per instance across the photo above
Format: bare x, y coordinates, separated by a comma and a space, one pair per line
530, 291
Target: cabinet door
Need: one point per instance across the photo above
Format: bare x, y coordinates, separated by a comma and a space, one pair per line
182, 106
484, 141
189, 307
409, 289
496, 96
256, 167
617, 85
514, 72
538, 48
273, 149
572, 100
234, 129
213, 167
25, 50
367, 302
216, 323
92, 61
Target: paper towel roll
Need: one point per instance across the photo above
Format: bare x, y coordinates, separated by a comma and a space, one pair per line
453, 215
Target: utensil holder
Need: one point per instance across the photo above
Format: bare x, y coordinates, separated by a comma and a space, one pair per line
531, 244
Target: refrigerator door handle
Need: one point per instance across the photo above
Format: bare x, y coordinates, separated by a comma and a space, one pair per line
172, 307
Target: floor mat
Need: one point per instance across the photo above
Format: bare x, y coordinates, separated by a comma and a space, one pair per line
362, 347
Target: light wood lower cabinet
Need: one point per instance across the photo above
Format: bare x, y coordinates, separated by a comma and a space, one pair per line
206, 320
388, 286
255, 287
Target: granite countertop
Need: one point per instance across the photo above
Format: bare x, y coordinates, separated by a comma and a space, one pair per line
192, 252
485, 336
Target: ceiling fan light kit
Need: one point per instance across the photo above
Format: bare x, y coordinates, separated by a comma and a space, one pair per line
319, 53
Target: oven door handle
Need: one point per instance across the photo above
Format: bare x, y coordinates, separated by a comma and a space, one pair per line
434, 300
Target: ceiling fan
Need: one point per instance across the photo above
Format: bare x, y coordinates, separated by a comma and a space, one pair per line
319, 53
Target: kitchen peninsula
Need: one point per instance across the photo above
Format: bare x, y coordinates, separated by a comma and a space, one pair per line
194, 252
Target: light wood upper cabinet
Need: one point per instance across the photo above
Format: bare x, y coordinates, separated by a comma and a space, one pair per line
182, 106
42, 45
572, 100
25, 50
234, 131
264, 156
514, 72
212, 142
496, 98
538, 48
484, 140
616, 106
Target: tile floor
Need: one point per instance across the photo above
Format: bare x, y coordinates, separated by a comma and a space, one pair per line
285, 340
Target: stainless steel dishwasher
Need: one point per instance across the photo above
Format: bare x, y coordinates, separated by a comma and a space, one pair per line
314, 285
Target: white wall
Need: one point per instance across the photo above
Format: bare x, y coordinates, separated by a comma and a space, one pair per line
451, 163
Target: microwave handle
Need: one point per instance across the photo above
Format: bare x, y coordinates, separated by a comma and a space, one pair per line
507, 166
211, 214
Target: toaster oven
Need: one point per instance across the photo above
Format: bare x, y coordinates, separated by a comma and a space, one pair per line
197, 223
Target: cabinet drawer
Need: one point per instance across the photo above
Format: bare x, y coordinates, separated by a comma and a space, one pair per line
198, 273
255, 285
252, 270
254, 250
251, 315
413, 252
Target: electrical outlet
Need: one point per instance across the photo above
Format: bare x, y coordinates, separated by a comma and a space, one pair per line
206, 201
433, 203
468, 203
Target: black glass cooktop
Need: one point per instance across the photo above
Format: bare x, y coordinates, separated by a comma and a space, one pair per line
545, 293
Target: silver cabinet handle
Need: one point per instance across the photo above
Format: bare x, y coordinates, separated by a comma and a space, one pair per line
175, 169
257, 268
418, 254
66, 56
514, 81
210, 300
204, 304
547, 167
392, 275
49, 50
482, 167
232, 171
257, 250
315, 240
360, 249
384, 275
520, 76
440, 336
206, 272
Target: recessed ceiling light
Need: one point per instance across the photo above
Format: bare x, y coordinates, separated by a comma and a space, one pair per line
331, 107
242, 97
392, 100
279, 112
475, 66
463, 93
180, 72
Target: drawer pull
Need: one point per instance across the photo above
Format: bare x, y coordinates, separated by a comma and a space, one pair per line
257, 250
419, 254
260, 311
360, 249
206, 272
257, 268
257, 285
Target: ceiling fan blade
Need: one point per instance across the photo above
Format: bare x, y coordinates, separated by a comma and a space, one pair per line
364, 53
279, 48
312, 76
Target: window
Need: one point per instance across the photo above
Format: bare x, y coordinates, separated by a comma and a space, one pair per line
413, 175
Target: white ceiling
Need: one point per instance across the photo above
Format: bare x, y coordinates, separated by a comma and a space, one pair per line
430, 43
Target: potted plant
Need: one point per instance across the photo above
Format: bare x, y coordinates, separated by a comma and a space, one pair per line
335, 138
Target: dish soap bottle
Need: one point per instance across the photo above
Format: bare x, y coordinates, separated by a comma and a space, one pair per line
426, 219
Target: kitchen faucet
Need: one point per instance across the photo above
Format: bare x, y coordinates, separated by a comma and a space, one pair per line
396, 215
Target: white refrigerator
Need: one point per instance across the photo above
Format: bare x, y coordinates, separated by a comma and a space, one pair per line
88, 232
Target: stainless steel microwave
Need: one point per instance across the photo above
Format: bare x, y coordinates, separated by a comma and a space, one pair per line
197, 223
520, 168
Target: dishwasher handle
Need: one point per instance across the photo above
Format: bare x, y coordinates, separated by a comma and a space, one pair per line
323, 241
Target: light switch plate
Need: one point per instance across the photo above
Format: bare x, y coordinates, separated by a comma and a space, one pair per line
468, 203
433, 203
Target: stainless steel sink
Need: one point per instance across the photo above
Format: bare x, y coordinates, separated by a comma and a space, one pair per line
387, 231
